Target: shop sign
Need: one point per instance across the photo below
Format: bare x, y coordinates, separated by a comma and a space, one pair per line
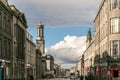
85, 69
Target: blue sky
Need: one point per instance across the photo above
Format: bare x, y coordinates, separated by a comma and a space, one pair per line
54, 35
66, 25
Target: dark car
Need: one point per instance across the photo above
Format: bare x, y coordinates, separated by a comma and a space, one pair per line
48, 76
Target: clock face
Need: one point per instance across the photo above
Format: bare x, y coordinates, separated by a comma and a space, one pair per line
39, 44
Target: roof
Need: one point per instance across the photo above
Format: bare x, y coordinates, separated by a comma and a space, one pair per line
18, 14
99, 9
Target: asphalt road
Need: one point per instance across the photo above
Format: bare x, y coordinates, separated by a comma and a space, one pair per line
59, 79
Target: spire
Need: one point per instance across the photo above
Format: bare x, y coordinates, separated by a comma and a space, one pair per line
89, 37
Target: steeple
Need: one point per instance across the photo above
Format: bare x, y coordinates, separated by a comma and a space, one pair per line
40, 38
40, 33
89, 37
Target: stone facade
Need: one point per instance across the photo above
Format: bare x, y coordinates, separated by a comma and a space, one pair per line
103, 53
12, 40
89, 54
19, 26
6, 41
57, 71
40, 58
80, 66
49, 66
107, 45
30, 57
20, 58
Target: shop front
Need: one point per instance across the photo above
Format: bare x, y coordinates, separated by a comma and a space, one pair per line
114, 71
86, 71
107, 69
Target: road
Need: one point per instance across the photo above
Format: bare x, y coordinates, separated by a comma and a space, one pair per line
59, 79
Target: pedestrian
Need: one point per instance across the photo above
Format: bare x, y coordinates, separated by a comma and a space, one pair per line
81, 77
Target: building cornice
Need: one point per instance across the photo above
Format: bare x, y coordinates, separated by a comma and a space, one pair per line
101, 4
19, 15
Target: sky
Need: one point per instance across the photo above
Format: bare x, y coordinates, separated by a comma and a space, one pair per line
66, 25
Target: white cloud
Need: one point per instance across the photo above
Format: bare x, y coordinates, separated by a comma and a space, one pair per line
68, 51
58, 12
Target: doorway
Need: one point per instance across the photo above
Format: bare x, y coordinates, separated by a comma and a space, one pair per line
115, 72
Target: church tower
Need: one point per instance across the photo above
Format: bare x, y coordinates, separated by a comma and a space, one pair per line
40, 38
89, 38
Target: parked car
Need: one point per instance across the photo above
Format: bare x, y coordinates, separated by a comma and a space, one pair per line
72, 76
48, 76
65, 76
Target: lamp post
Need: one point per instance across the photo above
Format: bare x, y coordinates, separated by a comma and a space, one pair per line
3, 65
3, 69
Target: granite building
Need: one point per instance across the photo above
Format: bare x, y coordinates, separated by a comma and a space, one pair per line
19, 26
30, 58
105, 55
40, 54
49, 66
107, 39
6, 41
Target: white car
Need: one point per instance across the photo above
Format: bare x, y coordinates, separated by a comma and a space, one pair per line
72, 77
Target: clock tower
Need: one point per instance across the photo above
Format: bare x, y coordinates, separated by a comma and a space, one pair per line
40, 38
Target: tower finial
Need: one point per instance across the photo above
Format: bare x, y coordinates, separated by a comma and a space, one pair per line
89, 29
89, 37
40, 22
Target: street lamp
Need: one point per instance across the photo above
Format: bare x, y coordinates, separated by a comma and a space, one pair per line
2, 69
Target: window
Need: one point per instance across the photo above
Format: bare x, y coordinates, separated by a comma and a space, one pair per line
0, 19
115, 25
5, 48
115, 4
5, 22
20, 38
0, 46
38, 32
115, 48
9, 25
9, 50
